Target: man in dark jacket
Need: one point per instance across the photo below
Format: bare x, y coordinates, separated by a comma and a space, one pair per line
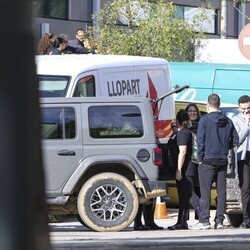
78, 43
216, 135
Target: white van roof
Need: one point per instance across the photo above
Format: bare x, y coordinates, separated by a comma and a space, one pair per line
98, 99
73, 64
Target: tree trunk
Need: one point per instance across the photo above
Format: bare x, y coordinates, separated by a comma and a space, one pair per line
23, 215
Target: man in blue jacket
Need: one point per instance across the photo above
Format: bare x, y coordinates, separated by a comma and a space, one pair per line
216, 135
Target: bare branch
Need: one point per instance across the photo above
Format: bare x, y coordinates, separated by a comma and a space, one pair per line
233, 4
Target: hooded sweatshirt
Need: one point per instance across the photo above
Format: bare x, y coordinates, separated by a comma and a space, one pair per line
215, 136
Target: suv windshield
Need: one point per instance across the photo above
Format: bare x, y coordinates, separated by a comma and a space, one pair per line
53, 86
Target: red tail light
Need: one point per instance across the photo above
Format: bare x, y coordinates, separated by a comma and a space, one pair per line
157, 156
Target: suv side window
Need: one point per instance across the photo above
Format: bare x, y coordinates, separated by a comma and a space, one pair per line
85, 87
58, 123
115, 122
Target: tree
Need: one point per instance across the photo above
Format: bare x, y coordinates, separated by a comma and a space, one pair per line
23, 215
147, 28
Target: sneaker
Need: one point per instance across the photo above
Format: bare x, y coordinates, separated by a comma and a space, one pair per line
201, 226
218, 225
245, 223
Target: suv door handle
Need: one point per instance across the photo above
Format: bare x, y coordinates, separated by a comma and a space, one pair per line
66, 152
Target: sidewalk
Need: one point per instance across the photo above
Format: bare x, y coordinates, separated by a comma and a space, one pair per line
72, 235
173, 214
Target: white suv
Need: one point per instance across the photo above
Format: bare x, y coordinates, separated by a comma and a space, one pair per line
101, 158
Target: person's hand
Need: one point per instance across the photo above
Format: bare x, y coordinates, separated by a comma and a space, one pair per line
247, 120
178, 175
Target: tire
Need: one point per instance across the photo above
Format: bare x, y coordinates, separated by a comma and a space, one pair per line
235, 219
80, 220
107, 202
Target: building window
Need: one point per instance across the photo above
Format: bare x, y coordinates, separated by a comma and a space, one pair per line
51, 8
187, 13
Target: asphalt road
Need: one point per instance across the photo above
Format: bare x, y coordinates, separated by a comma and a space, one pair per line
72, 235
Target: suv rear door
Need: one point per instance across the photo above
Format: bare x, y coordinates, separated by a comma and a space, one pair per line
62, 144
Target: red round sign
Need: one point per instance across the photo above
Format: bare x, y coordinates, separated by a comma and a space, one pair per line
244, 41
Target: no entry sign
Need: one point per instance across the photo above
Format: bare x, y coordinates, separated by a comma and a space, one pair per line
244, 41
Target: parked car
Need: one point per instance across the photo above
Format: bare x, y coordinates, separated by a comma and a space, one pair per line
101, 159
109, 75
228, 109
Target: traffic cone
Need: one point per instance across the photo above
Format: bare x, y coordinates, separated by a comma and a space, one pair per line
160, 209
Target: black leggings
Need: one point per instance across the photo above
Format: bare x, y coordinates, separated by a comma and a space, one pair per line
188, 192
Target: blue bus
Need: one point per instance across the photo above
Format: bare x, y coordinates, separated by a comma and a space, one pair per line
230, 81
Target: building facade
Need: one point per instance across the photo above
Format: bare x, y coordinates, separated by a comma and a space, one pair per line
65, 16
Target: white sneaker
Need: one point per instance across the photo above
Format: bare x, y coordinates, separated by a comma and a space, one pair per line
201, 226
218, 225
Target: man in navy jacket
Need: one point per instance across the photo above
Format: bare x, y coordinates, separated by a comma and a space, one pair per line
78, 43
216, 135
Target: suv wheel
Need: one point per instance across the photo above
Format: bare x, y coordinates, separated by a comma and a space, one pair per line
107, 202
80, 220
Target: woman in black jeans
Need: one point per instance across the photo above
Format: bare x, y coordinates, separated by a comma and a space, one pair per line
184, 142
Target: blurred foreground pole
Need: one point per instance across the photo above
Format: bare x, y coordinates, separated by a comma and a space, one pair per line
23, 215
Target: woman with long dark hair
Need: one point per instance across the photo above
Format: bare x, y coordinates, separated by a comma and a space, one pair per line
192, 171
59, 46
45, 43
184, 142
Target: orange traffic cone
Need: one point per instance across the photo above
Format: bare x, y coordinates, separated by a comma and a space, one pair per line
160, 209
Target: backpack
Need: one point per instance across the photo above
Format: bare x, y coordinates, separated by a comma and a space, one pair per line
194, 156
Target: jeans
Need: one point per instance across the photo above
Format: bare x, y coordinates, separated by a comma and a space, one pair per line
244, 183
207, 174
194, 192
